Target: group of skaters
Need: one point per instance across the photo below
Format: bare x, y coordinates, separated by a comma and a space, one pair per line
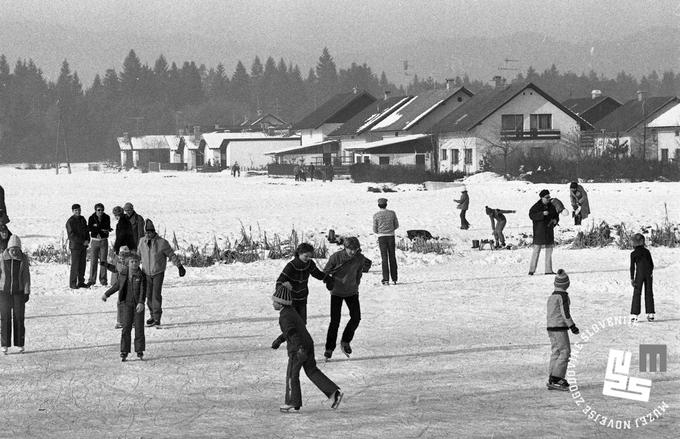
300, 172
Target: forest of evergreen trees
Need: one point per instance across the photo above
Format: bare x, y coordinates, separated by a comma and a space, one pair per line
38, 117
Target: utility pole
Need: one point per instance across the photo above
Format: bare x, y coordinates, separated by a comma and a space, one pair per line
56, 145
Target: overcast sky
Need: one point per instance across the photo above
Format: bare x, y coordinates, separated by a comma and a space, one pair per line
343, 23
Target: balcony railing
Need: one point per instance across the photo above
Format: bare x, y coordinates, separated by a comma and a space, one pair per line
532, 134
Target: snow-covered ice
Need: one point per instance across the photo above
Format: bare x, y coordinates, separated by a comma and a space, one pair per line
458, 349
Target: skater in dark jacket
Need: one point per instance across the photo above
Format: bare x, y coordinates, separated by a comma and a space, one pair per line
544, 217
346, 267
4, 219
641, 269
124, 234
294, 278
559, 323
131, 289
15, 290
99, 225
463, 205
300, 355
78, 241
136, 222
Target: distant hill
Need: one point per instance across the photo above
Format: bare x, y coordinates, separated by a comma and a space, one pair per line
91, 52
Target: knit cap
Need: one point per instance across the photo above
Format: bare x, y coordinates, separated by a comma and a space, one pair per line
562, 280
148, 226
282, 295
14, 241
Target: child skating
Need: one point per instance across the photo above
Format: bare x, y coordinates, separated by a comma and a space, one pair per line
641, 268
300, 355
559, 322
131, 288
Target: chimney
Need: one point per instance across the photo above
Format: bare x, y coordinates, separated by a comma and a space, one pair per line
449, 83
387, 94
640, 95
499, 81
197, 131
594, 94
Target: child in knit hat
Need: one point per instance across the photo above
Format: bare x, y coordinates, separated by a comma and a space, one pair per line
300, 355
559, 322
15, 290
641, 269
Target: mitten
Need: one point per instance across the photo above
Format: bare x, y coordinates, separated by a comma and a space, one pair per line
104, 297
574, 329
277, 343
301, 355
26, 297
182, 270
140, 307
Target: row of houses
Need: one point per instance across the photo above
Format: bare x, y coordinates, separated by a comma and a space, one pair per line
443, 130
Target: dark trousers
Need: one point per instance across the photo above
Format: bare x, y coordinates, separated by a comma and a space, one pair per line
637, 293
388, 256
320, 380
99, 250
12, 308
464, 224
300, 306
577, 219
77, 276
336, 311
132, 318
154, 298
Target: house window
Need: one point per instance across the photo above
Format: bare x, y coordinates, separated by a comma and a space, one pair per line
513, 122
420, 159
367, 159
468, 156
540, 121
664, 155
383, 160
677, 133
444, 154
455, 156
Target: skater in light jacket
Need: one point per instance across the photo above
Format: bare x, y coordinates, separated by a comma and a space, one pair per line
384, 224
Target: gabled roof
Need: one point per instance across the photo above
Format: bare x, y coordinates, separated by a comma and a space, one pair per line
338, 109
386, 142
668, 118
370, 115
416, 109
311, 148
143, 142
264, 117
482, 105
581, 105
633, 113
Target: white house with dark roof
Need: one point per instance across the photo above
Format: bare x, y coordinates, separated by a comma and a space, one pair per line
504, 123
249, 149
665, 129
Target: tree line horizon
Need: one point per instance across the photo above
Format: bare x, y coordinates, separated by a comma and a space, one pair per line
39, 118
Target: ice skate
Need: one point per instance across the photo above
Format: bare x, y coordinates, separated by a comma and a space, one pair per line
140, 355
4, 350
287, 408
328, 354
21, 350
560, 384
123, 356
346, 349
650, 317
633, 318
337, 398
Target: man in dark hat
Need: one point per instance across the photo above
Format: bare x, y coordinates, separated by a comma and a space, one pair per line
544, 217
155, 252
78, 241
384, 224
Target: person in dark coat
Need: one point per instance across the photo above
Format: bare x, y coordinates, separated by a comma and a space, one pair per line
15, 290
641, 270
99, 225
300, 355
463, 205
294, 278
124, 234
346, 267
131, 289
4, 219
579, 202
136, 222
78, 241
498, 222
5, 233
311, 169
544, 217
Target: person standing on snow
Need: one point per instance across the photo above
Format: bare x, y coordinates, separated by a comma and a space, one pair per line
4, 237
463, 205
579, 202
78, 241
641, 270
15, 290
544, 217
136, 222
99, 225
155, 252
124, 234
294, 278
559, 322
384, 224
4, 219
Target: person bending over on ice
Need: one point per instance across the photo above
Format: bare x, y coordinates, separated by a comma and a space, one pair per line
559, 322
15, 290
300, 355
498, 222
155, 252
294, 278
346, 268
641, 269
131, 289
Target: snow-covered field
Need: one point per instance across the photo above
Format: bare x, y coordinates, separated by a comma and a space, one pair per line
457, 349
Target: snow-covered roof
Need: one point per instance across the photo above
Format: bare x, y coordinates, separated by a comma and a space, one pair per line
300, 148
143, 143
214, 140
669, 118
385, 142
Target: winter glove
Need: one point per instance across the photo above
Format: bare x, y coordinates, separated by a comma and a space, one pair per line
574, 329
277, 343
301, 355
104, 297
140, 307
26, 297
330, 282
182, 270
